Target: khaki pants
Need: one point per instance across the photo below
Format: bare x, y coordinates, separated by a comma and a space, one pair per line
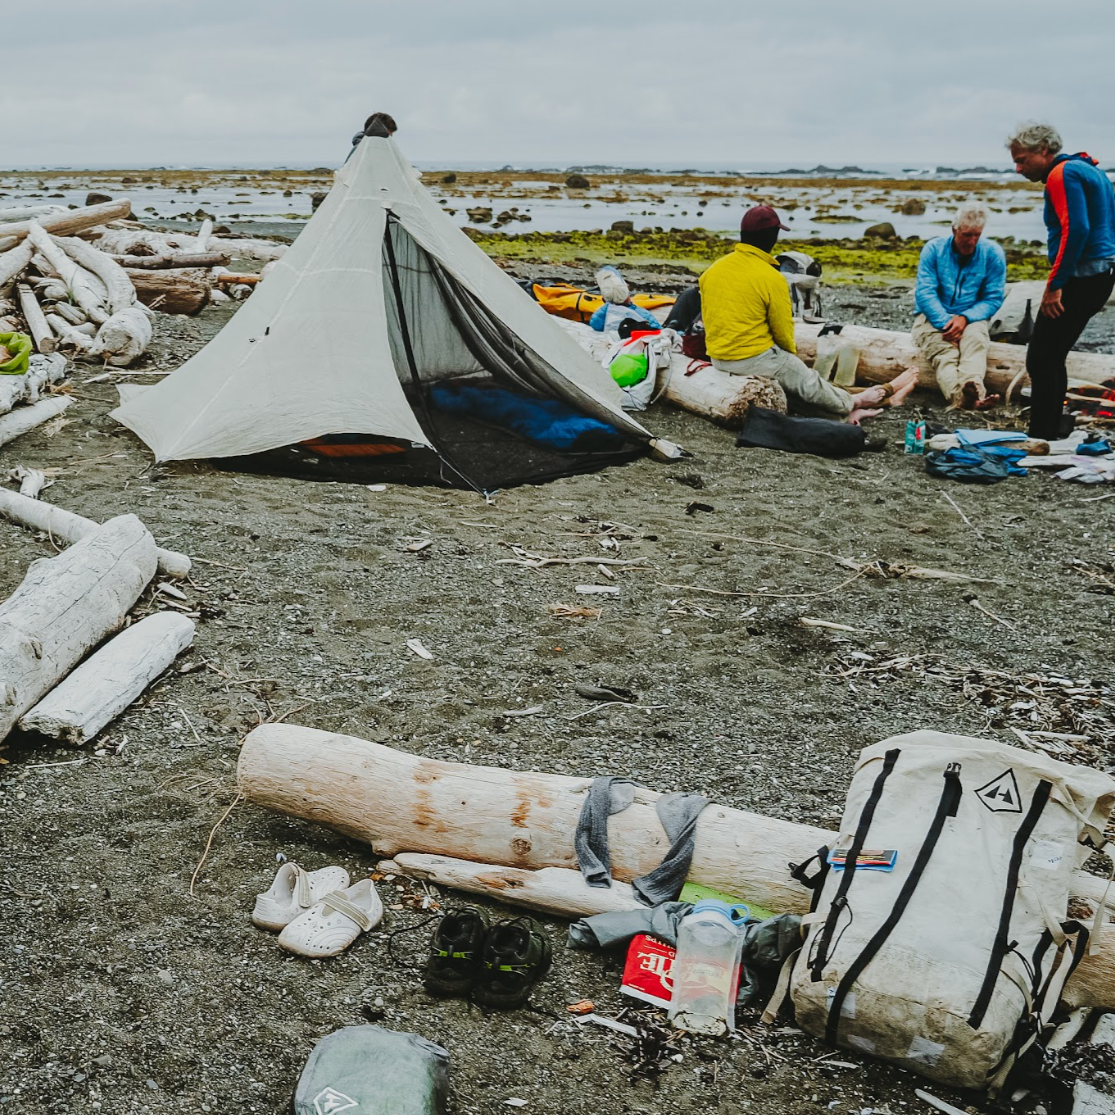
954, 366
794, 377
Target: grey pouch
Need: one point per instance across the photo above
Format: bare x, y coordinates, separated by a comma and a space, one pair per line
367, 1070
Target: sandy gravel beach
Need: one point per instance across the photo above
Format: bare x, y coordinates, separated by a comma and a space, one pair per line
126, 993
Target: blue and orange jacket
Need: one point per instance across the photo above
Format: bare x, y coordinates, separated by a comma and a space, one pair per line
1080, 217
949, 283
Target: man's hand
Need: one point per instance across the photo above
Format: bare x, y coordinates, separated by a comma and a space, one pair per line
955, 329
1051, 305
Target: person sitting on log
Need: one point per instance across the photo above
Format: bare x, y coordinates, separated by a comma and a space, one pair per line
961, 285
618, 306
749, 327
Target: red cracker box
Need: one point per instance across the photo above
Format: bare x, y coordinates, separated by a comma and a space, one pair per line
646, 975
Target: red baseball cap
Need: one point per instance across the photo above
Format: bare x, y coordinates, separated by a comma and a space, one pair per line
761, 216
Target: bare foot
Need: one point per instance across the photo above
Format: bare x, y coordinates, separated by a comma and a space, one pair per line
903, 385
860, 413
871, 396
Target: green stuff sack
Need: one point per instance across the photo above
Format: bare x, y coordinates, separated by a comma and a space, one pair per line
367, 1070
20, 347
627, 369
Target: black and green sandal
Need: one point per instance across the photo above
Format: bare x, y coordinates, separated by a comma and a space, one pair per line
455, 952
517, 955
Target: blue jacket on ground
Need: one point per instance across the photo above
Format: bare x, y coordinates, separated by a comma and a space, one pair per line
1080, 217
949, 283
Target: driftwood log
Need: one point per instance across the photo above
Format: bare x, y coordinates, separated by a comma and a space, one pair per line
179, 291
65, 526
884, 353
37, 326
399, 802
14, 262
65, 606
701, 389
42, 372
107, 682
85, 289
67, 222
19, 421
175, 260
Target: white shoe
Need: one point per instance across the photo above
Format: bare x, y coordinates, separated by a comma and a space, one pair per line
293, 892
335, 922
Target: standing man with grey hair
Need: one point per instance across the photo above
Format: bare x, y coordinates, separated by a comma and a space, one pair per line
961, 285
1080, 219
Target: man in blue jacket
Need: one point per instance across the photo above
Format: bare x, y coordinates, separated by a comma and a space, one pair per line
961, 285
1080, 219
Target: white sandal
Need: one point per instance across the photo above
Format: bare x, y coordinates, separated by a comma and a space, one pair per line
335, 922
293, 892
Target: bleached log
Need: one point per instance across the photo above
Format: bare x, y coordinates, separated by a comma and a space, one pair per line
550, 890
67, 222
203, 235
70, 312
67, 334
42, 371
177, 260
884, 353
121, 292
28, 213
13, 263
173, 292
65, 526
41, 333
31, 481
19, 421
399, 802
65, 606
262, 250
110, 679
724, 398
124, 241
124, 337
89, 295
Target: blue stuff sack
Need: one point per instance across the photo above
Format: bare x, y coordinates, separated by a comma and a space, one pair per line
969, 465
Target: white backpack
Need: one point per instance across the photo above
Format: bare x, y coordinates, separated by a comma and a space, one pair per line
950, 962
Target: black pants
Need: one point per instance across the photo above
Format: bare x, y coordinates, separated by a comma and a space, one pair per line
686, 310
1052, 340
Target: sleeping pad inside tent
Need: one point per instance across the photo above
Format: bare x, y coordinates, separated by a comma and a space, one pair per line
386, 346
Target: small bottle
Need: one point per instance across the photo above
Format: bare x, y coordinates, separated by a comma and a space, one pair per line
705, 973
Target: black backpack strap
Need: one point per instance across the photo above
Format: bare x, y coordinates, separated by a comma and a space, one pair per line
946, 807
840, 899
1002, 943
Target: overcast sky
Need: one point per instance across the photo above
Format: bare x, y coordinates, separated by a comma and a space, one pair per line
732, 82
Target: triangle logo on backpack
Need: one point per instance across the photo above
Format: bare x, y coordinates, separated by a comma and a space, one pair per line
1001, 795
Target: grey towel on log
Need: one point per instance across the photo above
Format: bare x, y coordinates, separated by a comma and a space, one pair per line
677, 814
605, 931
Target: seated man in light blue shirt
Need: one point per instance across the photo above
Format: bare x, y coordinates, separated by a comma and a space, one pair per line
961, 285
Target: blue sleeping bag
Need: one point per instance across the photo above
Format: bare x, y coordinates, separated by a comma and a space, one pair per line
547, 422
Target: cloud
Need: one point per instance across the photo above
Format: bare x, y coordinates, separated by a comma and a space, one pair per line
730, 82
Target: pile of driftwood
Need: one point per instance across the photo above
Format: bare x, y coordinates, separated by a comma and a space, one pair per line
86, 280
26, 401
70, 604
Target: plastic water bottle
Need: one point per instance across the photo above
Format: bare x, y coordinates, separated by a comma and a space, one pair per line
705, 974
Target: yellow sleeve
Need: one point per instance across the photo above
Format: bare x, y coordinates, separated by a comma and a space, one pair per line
780, 314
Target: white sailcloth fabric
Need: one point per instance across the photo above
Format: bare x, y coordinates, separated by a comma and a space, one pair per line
310, 353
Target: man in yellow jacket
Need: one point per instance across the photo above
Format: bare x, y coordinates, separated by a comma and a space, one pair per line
749, 326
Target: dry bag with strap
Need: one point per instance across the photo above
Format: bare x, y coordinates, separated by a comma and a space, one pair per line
940, 937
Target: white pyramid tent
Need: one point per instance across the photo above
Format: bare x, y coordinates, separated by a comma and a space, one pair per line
381, 289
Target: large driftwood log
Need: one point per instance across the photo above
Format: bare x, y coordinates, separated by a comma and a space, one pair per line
43, 371
125, 241
67, 222
724, 398
28, 213
124, 337
41, 333
67, 527
65, 606
107, 682
88, 292
884, 353
14, 262
19, 421
173, 292
404, 803
121, 293
177, 259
